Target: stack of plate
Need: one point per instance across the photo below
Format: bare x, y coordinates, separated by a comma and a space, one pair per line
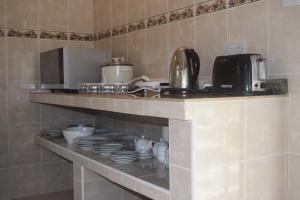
106, 150
145, 155
88, 142
124, 157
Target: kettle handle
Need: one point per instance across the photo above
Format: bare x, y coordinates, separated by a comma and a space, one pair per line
194, 66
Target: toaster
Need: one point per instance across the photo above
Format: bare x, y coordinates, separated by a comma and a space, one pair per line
239, 74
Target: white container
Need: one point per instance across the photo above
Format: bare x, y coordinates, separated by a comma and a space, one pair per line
71, 133
117, 71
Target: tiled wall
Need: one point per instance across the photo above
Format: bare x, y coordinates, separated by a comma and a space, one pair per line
147, 32
32, 26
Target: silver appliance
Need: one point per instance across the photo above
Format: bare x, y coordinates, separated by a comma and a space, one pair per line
66, 68
184, 70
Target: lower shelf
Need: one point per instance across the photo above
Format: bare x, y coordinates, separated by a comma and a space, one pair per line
148, 177
63, 195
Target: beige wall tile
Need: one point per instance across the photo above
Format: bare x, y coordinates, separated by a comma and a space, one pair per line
23, 60
136, 10
54, 114
181, 34
48, 156
294, 114
284, 42
22, 149
4, 183
81, 44
3, 103
22, 14
104, 14
211, 36
20, 110
180, 143
48, 44
220, 136
221, 182
137, 51
157, 53
176, 4
180, 183
102, 190
250, 23
265, 179
119, 10
105, 44
130, 195
2, 59
59, 173
155, 7
33, 184
119, 46
266, 127
81, 16
50, 21
4, 147
2, 13
293, 177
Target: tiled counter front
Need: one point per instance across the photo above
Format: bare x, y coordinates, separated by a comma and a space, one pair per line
136, 177
220, 148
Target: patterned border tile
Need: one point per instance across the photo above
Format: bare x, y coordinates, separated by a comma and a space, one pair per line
210, 6
234, 3
137, 26
157, 20
22, 33
121, 30
104, 34
172, 16
83, 36
53, 35
2, 33
181, 14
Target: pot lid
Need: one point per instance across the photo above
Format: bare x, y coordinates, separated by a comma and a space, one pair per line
117, 62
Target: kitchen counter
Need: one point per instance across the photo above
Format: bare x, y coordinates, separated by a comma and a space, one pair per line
151, 105
215, 143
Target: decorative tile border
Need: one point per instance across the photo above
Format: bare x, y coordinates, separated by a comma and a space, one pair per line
210, 6
53, 35
201, 8
83, 36
137, 26
157, 20
104, 35
2, 33
181, 14
22, 33
121, 30
234, 3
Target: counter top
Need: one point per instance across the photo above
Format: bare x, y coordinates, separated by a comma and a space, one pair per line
155, 106
140, 176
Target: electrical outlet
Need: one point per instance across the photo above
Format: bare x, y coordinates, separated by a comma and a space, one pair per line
235, 48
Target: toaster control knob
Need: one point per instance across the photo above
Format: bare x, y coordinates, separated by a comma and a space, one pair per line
256, 85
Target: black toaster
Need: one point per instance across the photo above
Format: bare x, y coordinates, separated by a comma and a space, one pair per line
239, 74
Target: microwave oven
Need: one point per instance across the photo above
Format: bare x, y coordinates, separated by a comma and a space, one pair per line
66, 68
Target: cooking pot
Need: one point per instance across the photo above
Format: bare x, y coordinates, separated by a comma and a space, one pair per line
117, 71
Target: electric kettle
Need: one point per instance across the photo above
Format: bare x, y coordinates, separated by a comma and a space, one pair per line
184, 70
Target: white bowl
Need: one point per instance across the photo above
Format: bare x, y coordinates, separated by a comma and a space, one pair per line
71, 133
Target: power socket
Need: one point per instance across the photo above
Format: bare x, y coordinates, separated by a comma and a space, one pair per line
233, 48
